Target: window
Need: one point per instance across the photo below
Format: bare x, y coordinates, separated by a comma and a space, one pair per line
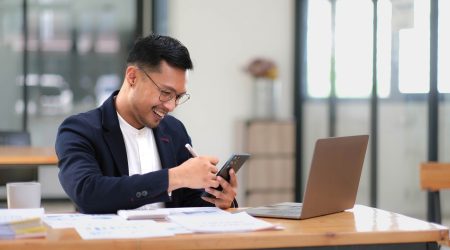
444, 47
403, 47
354, 20
414, 46
319, 48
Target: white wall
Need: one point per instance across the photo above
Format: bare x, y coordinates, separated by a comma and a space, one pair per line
222, 37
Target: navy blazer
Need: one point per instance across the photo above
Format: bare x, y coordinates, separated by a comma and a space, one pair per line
94, 168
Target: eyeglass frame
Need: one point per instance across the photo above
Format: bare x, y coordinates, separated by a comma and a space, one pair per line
170, 94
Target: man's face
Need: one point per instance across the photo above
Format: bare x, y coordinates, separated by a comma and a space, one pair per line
150, 91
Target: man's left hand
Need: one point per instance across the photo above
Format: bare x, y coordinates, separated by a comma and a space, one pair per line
224, 199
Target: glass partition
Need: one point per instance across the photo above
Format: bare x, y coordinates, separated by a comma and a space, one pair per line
11, 57
77, 52
340, 52
76, 58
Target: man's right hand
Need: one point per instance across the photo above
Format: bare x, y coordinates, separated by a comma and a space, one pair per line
195, 173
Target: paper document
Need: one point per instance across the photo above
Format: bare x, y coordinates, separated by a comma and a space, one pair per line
162, 213
122, 230
70, 220
175, 228
196, 211
221, 223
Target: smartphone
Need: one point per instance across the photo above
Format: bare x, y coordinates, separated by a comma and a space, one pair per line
235, 161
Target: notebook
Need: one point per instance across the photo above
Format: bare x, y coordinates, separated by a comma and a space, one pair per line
332, 184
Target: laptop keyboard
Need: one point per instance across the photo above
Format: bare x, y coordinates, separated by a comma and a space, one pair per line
285, 209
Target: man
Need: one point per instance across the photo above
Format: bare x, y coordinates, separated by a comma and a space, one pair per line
129, 152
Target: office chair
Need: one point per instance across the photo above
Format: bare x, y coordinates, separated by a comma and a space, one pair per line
14, 173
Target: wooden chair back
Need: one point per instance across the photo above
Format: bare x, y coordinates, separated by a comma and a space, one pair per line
434, 177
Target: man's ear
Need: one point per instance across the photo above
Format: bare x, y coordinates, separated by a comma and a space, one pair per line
130, 75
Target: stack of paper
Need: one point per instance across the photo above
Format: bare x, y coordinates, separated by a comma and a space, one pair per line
134, 214
21, 223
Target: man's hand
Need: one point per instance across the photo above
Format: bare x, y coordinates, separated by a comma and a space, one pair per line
195, 173
224, 198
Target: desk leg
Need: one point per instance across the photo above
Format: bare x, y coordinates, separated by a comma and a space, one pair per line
434, 207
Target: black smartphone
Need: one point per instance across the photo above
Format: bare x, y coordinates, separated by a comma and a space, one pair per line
235, 161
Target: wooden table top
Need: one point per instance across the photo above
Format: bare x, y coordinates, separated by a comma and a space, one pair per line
358, 226
27, 156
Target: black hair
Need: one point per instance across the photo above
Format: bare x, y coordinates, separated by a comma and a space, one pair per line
149, 51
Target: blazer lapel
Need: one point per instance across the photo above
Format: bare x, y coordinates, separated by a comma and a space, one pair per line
113, 135
165, 147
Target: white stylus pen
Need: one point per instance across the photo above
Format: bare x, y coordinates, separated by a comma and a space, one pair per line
191, 150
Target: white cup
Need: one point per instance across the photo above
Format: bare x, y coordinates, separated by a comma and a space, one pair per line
23, 194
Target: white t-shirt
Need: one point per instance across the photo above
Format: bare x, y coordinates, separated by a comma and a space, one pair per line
142, 153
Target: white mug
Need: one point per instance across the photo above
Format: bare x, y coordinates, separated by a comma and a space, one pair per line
23, 194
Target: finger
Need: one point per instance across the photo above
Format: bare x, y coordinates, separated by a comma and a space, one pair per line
213, 169
223, 204
225, 185
212, 176
213, 160
233, 178
213, 183
208, 199
216, 193
228, 193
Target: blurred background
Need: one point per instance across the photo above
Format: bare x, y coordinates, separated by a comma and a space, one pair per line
326, 68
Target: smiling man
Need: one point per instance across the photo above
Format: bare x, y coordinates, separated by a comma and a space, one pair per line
130, 152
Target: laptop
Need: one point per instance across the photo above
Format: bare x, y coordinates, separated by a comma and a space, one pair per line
332, 184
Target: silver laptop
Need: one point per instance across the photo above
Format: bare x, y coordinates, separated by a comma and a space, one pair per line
332, 183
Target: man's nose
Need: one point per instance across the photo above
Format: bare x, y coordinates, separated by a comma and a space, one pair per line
170, 105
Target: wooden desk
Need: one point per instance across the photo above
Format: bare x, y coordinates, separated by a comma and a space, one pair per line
27, 156
362, 227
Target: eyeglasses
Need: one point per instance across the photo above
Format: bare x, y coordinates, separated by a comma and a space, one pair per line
167, 95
